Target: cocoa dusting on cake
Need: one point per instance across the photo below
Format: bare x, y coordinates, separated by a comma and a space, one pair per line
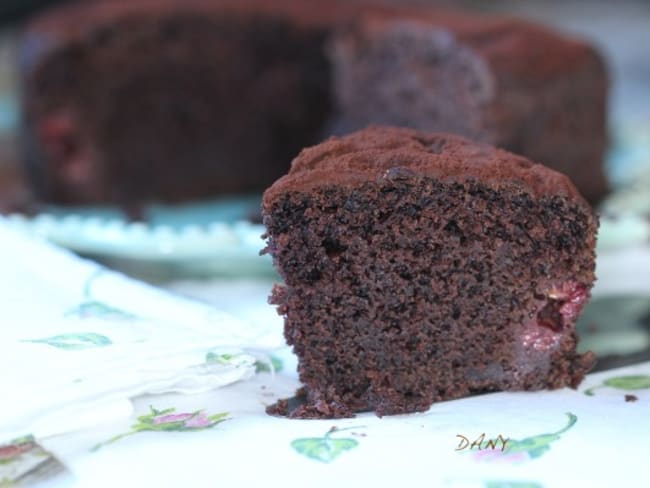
424, 267
131, 101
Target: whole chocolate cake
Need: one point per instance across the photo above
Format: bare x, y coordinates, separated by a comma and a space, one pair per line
127, 101
421, 267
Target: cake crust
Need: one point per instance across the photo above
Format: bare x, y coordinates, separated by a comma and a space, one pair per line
393, 152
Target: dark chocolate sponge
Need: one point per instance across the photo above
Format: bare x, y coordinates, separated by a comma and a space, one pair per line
424, 267
127, 101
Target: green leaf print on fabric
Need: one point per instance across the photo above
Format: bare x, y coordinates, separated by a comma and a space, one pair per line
90, 307
216, 358
531, 447
324, 449
227, 359
74, 341
168, 421
96, 309
273, 364
627, 383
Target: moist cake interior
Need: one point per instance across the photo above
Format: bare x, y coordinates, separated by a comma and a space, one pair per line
409, 290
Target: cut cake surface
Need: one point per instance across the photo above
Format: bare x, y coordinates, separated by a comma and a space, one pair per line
424, 267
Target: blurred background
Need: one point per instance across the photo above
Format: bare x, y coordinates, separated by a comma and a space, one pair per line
221, 265
618, 28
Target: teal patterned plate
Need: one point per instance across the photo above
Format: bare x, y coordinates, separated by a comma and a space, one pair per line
201, 239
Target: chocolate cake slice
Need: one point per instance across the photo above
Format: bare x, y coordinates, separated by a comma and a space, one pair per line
421, 267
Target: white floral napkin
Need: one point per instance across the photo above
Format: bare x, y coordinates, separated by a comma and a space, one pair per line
77, 341
595, 436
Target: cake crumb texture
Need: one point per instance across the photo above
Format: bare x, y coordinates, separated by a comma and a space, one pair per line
429, 280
